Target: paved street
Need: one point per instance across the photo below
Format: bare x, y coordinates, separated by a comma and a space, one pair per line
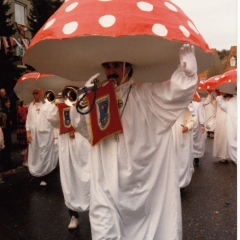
209, 204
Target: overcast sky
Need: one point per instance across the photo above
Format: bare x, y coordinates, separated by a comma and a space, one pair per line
216, 20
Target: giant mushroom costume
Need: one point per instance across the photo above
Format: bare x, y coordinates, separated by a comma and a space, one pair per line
228, 82
81, 35
212, 82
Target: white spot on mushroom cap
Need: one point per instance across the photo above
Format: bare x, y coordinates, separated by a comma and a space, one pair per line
107, 20
105, 0
159, 29
229, 80
185, 32
216, 78
170, 6
70, 27
190, 24
71, 7
145, 6
49, 24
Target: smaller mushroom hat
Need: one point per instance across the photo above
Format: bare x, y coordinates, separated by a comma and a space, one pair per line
212, 82
83, 34
25, 86
54, 83
228, 82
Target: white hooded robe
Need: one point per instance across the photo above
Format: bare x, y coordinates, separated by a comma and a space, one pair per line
183, 143
74, 159
134, 184
43, 150
198, 113
230, 107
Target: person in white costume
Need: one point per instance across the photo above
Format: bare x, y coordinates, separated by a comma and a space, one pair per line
183, 145
41, 136
210, 105
199, 134
74, 154
134, 185
230, 107
220, 142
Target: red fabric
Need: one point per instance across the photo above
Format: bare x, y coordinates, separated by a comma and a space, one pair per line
212, 82
125, 18
22, 114
64, 119
109, 123
196, 97
228, 77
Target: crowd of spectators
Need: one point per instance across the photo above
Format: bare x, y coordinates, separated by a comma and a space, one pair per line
13, 113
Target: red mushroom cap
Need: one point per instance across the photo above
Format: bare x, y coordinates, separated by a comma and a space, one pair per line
228, 82
25, 86
82, 34
212, 82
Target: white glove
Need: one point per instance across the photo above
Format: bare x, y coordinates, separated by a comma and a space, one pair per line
90, 81
187, 60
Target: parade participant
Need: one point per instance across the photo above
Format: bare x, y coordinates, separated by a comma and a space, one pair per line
210, 105
42, 147
7, 133
230, 107
220, 142
74, 153
199, 134
21, 130
134, 184
183, 145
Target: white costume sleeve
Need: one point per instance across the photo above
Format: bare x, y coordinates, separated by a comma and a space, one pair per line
79, 122
190, 123
201, 114
28, 120
53, 115
221, 103
168, 100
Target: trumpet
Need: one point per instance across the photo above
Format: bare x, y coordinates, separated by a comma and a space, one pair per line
50, 96
70, 94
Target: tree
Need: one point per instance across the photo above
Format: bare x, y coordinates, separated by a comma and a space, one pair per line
223, 53
40, 12
6, 27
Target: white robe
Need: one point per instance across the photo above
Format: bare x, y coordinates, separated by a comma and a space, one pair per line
183, 144
43, 150
74, 158
198, 113
134, 185
210, 111
220, 142
230, 107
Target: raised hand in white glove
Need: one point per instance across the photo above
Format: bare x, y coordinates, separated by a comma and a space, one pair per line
90, 81
187, 60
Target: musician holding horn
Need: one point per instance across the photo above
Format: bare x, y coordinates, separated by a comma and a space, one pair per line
41, 137
134, 185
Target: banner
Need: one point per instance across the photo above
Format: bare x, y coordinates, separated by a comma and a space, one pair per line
104, 116
65, 125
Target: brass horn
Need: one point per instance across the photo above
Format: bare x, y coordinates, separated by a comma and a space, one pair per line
50, 96
70, 94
